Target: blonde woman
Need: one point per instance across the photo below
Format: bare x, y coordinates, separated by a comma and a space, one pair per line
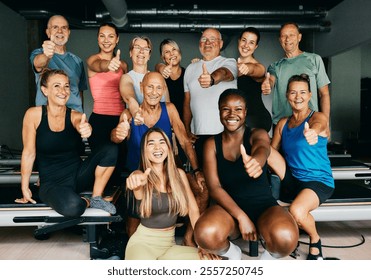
163, 193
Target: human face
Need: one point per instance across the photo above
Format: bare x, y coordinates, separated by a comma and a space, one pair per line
232, 112
247, 44
153, 87
57, 90
107, 39
210, 44
290, 38
58, 31
156, 147
140, 52
171, 55
298, 96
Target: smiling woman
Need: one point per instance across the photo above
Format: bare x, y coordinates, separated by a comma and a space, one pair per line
163, 193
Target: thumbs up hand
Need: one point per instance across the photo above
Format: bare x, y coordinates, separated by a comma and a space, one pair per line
84, 127
115, 62
252, 166
123, 128
243, 68
205, 78
310, 134
49, 47
138, 118
266, 86
167, 70
137, 179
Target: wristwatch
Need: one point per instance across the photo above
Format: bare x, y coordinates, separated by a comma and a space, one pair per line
212, 81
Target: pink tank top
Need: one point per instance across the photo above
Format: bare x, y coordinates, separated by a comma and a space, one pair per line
104, 88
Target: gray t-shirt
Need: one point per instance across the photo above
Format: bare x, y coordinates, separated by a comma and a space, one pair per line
305, 63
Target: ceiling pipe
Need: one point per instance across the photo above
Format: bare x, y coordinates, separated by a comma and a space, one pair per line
118, 11
196, 13
196, 26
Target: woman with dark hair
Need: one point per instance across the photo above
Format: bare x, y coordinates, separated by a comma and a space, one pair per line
163, 193
306, 176
235, 168
105, 69
250, 75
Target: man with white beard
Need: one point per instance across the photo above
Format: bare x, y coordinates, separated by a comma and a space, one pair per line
54, 55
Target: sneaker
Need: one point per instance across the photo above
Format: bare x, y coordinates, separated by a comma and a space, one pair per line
99, 203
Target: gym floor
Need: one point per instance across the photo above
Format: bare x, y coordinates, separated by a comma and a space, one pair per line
18, 243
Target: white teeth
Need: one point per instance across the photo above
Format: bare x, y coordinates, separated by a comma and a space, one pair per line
232, 121
157, 154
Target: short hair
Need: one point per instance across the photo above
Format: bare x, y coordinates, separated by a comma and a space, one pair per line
143, 37
299, 78
290, 23
169, 42
251, 30
232, 91
55, 16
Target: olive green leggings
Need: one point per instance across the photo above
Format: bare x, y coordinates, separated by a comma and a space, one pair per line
152, 244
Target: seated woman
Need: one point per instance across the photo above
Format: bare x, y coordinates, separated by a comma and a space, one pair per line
52, 135
236, 174
163, 193
164, 115
307, 180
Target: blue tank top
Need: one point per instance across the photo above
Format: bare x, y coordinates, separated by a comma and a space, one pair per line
136, 133
57, 153
306, 162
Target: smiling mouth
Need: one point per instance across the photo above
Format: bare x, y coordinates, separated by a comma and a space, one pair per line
157, 154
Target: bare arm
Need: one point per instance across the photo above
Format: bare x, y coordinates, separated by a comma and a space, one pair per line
181, 135
187, 114
254, 70
122, 130
193, 211
275, 160
128, 94
324, 95
31, 121
268, 83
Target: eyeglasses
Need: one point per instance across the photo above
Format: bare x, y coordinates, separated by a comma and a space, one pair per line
139, 48
211, 39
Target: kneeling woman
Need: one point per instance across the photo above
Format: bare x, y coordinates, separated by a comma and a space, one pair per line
163, 193
236, 174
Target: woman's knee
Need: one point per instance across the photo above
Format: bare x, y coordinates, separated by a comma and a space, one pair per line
299, 213
109, 154
73, 208
212, 230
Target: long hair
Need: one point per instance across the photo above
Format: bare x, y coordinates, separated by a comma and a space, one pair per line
177, 196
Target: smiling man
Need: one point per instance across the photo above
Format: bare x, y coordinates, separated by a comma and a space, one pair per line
296, 62
204, 81
54, 55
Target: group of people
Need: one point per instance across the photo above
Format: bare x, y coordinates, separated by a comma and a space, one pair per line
209, 115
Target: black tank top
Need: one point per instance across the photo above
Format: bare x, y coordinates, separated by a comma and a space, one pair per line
257, 114
57, 153
176, 92
234, 179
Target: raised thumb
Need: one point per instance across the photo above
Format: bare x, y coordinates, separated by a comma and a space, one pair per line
204, 69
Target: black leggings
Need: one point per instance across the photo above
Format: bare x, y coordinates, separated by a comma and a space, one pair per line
64, 196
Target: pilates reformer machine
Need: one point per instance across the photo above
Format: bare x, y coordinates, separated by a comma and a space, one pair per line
45, 219
351, 200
